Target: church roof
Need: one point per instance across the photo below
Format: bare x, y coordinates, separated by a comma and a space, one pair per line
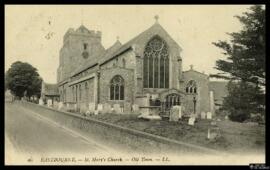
192, 70
195, 72
110, 51
82, 28
118, 48
139, 38
49, 89
99, 57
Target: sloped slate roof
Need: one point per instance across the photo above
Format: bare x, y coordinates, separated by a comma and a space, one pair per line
50, 89
82, 28
195, 71
117, 48
139, 38
98, 57
110, 51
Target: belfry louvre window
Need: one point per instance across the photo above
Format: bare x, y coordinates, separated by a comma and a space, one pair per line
156, 64
191, 87
117, 91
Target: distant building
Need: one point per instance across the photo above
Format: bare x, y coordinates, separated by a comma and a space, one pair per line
8, 96
147, 70
49, 91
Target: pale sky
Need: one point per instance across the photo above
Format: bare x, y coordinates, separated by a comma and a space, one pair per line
193, 27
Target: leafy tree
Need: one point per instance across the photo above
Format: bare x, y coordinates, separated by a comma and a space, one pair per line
244, 65
243, 98
23, 80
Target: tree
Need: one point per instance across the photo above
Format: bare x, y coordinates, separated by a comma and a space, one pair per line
242, 100
244, 65
23, 79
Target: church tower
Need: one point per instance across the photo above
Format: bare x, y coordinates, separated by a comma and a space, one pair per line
80, 46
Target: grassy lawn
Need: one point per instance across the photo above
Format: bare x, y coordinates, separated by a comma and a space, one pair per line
235, 137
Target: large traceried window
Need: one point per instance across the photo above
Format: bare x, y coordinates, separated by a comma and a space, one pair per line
156, 64
117, 88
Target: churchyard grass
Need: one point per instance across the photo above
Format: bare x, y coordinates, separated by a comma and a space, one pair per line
235, 137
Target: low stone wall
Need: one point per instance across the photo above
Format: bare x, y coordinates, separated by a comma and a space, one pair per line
115, 136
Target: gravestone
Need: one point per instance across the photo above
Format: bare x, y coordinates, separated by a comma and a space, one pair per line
100, 108
226, 117
127, 107
55, 104
116, 108
209, 115
83, 108
107, 108
179, 108
91, 107
67, 106
40, 102
203, 115
175, 114
49, 102
60, 105
135, 108
75, 107
87, 113
191, 121
212, 103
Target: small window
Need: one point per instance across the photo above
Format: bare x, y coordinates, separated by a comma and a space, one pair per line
85, 45
124, 63
191, 87
80, 92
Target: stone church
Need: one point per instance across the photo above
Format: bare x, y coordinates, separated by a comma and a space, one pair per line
146, 72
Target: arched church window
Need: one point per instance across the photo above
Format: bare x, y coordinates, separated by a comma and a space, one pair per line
156, 64
191, 87
80, 92
73, 93
124, 63
85, 45
86, 91
117, 88
64, 95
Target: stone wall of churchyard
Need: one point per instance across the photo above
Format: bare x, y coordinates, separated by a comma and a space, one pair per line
116, 137
106, 76
202, 97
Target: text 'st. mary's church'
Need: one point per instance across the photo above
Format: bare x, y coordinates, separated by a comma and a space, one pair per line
146, 71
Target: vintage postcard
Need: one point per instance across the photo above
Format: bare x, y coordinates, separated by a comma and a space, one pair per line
134, 84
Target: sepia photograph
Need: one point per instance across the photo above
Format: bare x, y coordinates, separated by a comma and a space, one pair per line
135, 85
